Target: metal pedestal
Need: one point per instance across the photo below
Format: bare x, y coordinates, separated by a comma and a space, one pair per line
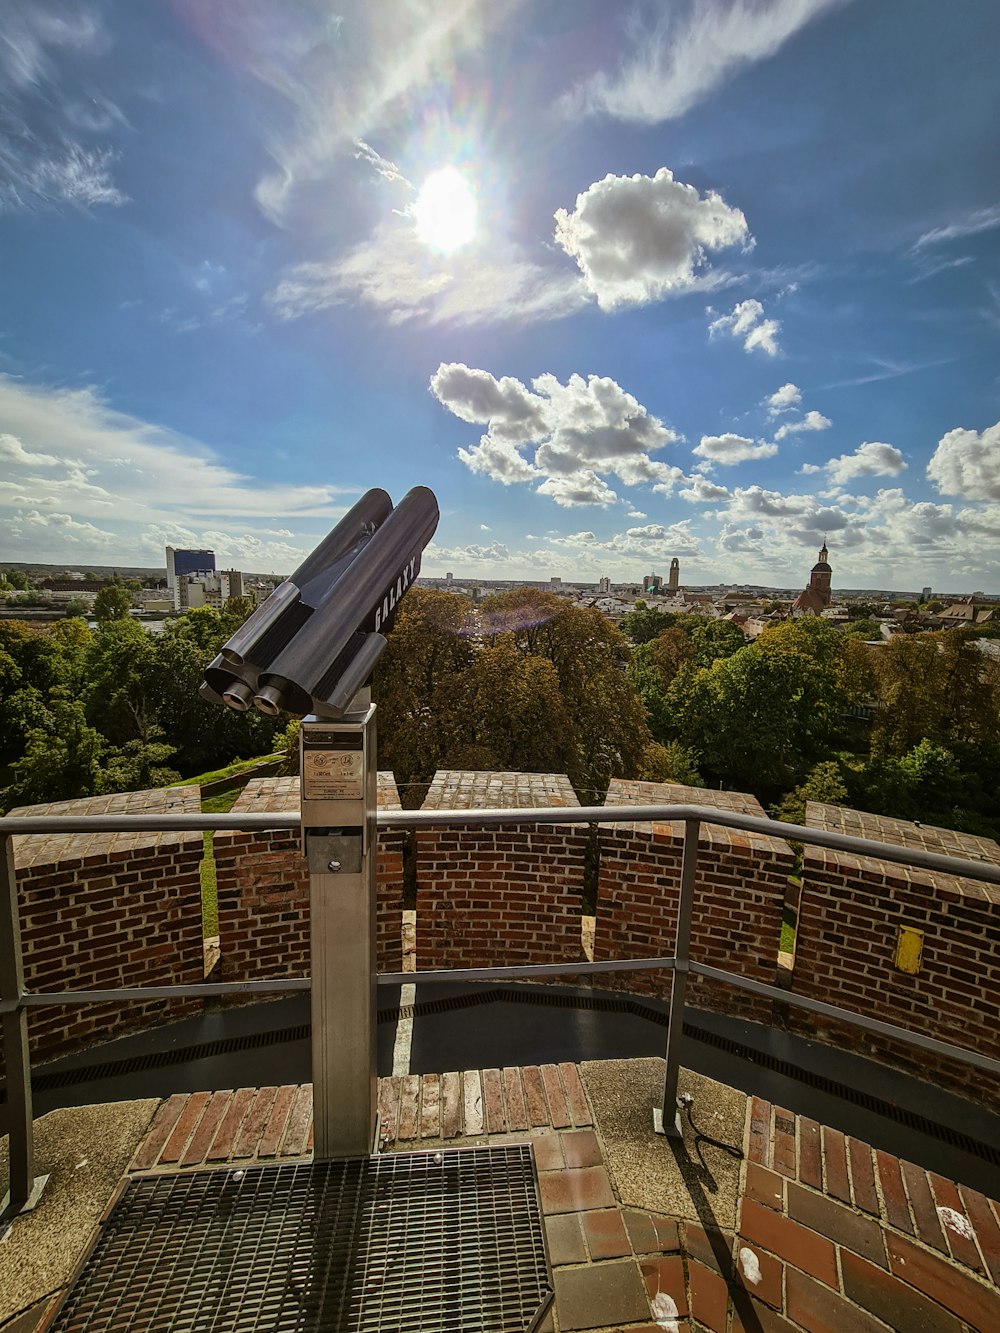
339, 800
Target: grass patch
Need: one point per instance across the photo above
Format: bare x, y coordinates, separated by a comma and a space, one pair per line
788, 919
209, 894
230, 770
212, 805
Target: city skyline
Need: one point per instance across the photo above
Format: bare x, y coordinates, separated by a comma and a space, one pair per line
620, 284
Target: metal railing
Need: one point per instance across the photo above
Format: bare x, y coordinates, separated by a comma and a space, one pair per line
16, 1001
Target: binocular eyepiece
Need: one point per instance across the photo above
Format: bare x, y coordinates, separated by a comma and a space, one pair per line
315, 641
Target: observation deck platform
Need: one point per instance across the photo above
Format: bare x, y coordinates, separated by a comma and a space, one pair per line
806, 1230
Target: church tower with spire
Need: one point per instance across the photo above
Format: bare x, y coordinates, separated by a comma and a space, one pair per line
819, 578
814, 599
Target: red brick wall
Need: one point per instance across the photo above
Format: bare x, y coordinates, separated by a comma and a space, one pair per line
263, 890
850, 914
499, 896
739, 895
132, 919
738, 901
105, 911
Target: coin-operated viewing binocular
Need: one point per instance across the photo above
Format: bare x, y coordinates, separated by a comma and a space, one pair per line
314, 642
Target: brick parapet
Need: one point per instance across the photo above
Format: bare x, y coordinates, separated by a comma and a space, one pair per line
506, 895
130, 918
78, 851
262, 885
739, 895
851, 913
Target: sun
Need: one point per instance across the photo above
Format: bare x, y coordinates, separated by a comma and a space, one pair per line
445, 210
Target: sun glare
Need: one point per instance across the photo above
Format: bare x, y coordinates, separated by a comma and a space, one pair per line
445, 210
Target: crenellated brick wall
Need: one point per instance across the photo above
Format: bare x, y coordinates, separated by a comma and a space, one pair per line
739, 895
111, 910
263, 888
106, 910
851, 912
499, 896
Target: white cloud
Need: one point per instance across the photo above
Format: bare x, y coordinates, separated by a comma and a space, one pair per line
397, 275
689, 53
583, 487
511, 410
67, 527
747, 321
811, 421
968, 463
13, 451
639, 238
731, 449
42, 161
344, 75
581, 432
702, 491
636, 513
72, 452
785, 399
983, 219
871, 459
74, 175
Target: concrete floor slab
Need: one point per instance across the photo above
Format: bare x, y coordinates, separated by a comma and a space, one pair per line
85, 1151
658, 1174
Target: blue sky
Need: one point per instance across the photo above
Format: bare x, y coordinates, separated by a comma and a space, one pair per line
712, 280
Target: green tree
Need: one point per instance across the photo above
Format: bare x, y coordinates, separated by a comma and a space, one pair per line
138, 765
118, 697
712, 639
515, 712
937, 687
825, 783
644, 623
112, 603
62, 759
672, 762
416, 682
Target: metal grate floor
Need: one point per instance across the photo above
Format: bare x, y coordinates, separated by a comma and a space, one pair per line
408, 1241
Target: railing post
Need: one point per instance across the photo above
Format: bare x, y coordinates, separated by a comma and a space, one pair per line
670, 1123
23, 1193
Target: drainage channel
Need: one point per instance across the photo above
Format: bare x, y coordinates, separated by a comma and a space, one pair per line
709, 1038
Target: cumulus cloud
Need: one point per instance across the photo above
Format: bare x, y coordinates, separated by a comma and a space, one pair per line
731, 449
967, 463
747, 321
392, 272
639, 238
871, 459
785, 399
581, 432
811, 421
691, 51
700, 490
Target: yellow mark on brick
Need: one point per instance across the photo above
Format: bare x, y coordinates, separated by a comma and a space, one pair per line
909, 947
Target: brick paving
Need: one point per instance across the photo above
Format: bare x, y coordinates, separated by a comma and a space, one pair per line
831, 1236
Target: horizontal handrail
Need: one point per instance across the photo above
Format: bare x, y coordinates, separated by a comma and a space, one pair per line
21, 825
15, 1000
